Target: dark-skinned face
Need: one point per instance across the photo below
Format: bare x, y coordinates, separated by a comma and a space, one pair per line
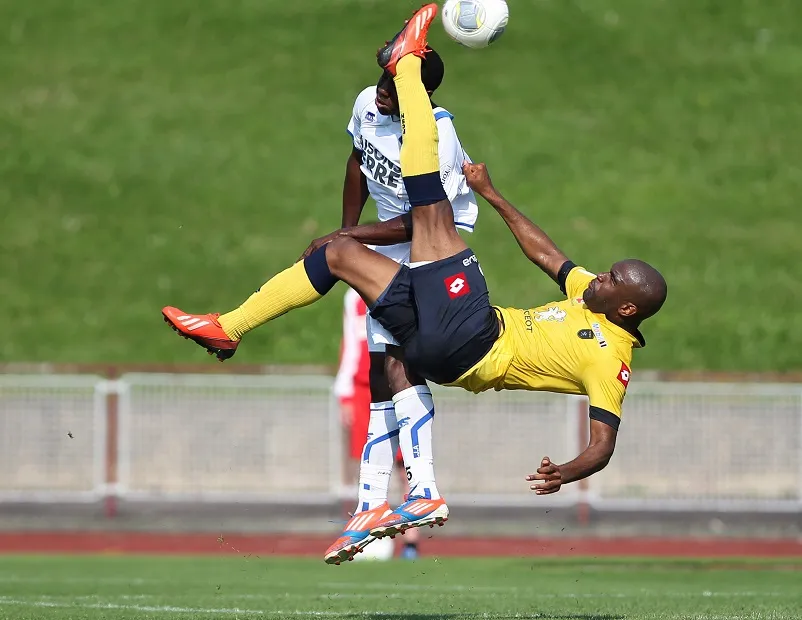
386, 96
615, 292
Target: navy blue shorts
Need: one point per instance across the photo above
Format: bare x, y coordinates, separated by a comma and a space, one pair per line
440, 314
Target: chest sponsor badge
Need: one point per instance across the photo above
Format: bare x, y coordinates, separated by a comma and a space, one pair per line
554, 313
457, 285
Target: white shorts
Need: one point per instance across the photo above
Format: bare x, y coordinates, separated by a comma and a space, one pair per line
378, 337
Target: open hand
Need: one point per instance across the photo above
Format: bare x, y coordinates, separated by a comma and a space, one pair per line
478, 178
550, 473
318, 243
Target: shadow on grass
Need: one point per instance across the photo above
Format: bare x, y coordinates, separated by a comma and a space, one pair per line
487, 615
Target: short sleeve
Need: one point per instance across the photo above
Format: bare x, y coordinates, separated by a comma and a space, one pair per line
574, 280
606, 385
354, 127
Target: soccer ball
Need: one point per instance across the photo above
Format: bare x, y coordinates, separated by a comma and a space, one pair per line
475, 23
380, 550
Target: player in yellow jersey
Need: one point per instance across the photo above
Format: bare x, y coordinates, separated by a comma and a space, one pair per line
438, 308
580, 345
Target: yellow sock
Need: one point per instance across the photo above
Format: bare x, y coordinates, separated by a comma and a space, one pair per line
419, 154
285, 291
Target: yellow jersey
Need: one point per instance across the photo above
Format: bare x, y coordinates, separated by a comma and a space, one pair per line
560, 347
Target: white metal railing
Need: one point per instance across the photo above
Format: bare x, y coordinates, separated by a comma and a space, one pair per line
179, 437
52, 437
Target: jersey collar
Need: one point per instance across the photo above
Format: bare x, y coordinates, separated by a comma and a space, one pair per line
636, 339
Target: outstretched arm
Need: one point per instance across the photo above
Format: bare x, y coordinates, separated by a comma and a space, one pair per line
593, 459
536, 245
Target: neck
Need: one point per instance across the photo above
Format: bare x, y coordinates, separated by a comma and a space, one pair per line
630, 325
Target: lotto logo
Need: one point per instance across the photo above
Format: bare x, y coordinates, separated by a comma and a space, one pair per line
624, 374
457, 285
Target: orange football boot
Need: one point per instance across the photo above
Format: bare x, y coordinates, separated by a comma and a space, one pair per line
411, 39
203, 329
356, 535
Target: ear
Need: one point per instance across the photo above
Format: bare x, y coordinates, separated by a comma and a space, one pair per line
627, 309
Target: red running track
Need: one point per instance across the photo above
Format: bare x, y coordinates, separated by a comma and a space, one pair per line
311, 545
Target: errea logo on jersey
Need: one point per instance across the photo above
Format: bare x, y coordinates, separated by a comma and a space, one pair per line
599, 335
624, 374
457, 285
380, 168
472, 259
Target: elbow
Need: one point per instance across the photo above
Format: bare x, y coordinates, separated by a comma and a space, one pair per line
606, 455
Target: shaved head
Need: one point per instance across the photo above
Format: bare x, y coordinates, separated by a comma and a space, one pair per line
648, 288
629, 293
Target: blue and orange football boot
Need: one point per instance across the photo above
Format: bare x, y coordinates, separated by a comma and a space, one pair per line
417, 511
356, 535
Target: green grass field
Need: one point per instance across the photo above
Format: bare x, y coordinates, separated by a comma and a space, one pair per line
181, 152
165, 588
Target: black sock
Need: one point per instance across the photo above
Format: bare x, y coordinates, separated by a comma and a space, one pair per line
318, 272
424, 189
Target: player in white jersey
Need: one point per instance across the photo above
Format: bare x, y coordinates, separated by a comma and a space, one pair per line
397, 396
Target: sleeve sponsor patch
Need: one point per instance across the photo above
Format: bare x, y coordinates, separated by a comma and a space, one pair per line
624, 374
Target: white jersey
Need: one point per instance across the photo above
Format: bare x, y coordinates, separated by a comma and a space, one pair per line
379, 138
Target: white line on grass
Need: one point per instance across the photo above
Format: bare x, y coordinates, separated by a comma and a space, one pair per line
234, 611
335, 614
529, 591
149, 608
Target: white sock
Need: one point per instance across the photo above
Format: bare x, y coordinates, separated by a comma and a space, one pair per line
414, 410
377, 457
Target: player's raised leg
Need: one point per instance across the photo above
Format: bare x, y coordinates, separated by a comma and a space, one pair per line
434, 236
366, 271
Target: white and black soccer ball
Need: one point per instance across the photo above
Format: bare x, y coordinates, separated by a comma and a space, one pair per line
475, 23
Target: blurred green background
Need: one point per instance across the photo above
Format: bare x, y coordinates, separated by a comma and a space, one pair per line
173, 152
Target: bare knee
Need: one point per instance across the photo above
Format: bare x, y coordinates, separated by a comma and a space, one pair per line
339, 252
